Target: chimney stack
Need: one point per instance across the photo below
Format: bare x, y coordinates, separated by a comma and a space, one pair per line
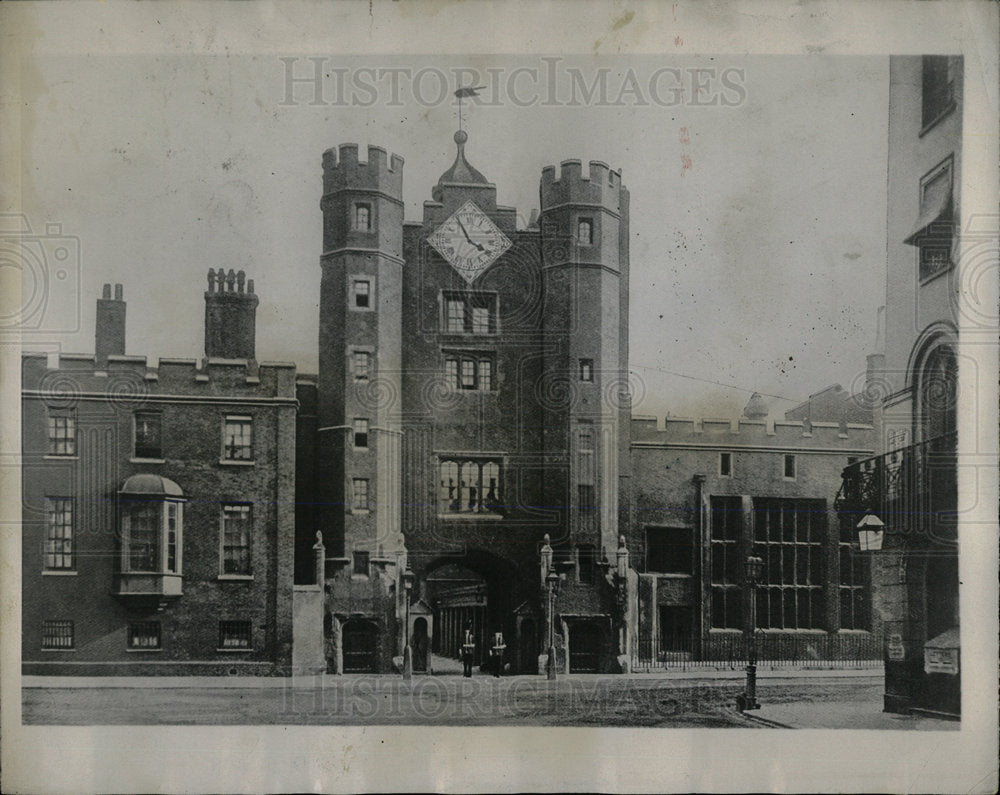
230, 315
109, 332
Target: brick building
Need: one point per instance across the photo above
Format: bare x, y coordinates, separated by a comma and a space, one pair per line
471, 398
709, 493
910, 486
158, 518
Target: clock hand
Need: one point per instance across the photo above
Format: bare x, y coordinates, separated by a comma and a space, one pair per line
471, 241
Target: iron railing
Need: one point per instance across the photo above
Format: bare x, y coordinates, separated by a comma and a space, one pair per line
912, 490
774, 650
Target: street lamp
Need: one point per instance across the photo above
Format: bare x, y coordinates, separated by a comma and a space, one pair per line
871, 531
552, 589
748, 698
407, 652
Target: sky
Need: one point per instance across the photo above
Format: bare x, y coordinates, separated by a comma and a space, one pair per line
757, 223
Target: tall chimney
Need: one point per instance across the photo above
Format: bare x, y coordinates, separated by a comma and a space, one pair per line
230, 315
109, 332
876, 362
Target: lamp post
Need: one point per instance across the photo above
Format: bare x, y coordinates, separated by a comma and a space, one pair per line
871, 532
748, 698
407, 652
552, 588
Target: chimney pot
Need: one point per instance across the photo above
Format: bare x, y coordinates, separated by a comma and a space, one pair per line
107, 292
119, 294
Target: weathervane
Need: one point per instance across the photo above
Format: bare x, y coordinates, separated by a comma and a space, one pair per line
462, 93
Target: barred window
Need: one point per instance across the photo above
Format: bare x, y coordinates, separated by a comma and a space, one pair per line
234, 635
238, 439
144, 635
148, 434
237, 525
57, 634
789, 536
62, 433
469, 486
59, 534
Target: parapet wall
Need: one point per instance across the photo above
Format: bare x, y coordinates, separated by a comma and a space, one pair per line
601, 186
343, 170
757, 433
68, 373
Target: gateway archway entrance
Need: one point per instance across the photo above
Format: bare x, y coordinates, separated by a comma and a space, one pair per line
478, 590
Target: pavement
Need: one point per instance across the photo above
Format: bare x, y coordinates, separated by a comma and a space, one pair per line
850, 714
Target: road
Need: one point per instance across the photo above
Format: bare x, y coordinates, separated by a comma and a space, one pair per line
580, 700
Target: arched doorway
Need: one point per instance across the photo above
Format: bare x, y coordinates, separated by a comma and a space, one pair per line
476, 589
937, 391
359, 637
421, 645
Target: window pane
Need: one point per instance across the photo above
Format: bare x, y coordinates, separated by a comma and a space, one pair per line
451, 373
238, 442
491, 485
361, 362
480, 320
360, 433
449, 487
470, 486
62, 434
360, 494
456, 316
144, 538
362, 294
485, 375
361, 559
468, 374
148, 435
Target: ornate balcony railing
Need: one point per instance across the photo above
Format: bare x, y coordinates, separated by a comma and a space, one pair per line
912, 490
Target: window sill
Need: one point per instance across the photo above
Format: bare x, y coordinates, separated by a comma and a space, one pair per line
140, 460
235, 577
143, 651
56, 651
59, 573
675, 575
854, 632
358, 512
60, 457
234, 651
229, 462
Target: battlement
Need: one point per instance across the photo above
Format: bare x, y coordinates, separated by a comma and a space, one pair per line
602, 185
342, 170
68, 374
723, 433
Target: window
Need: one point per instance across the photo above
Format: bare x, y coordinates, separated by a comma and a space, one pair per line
234, 636
237, 439
148, 434
237, 524
360, 433
854, 578
363, 217
727, 524
585, 232
361, 561
938, 94
789, 467
469, 486
586, 506
669, 550
586, 369
144, 635
361, 290
585, 453
152, 529
725, 465
359, 494
937, 393
362, 365
59, 534
62, 433
471, 371
469, 312
789, 536
935, 230
57, 634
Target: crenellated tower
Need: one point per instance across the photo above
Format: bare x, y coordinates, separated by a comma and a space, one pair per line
358, 411
584, 230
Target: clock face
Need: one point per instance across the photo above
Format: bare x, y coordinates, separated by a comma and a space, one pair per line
469, 240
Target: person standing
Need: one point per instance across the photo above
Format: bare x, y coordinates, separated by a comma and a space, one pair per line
496, 653
468, 650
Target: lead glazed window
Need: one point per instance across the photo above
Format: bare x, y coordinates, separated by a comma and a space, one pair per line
469, 486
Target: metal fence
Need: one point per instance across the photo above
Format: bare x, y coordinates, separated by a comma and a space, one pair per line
732, 651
